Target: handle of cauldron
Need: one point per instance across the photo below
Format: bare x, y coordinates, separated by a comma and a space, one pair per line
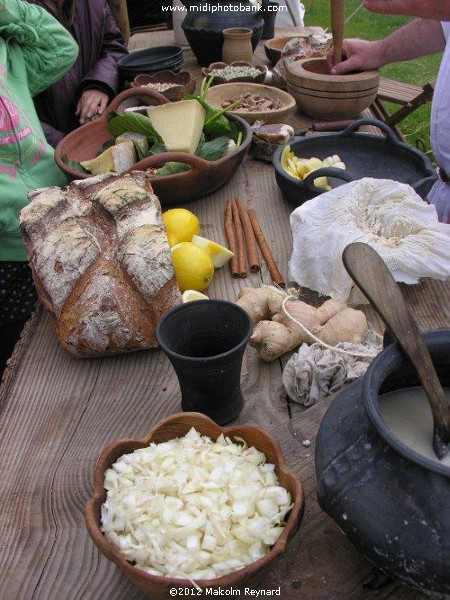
325, 172
426, 183
390, 135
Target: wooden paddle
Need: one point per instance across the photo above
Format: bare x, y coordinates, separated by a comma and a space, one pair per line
337, 28
369, 272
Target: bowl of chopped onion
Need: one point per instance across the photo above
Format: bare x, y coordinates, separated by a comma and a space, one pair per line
194, 505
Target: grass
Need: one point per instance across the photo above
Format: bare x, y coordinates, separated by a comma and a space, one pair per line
371, 26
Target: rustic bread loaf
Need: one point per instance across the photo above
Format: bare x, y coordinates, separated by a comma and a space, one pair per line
101, 262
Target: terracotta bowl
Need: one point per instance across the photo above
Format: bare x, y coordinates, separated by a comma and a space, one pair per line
203, 178
185, 84
175, 426
221, 65
330, 97
230, 91
274, 47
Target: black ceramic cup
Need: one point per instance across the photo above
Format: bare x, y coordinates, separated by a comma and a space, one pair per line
205, 341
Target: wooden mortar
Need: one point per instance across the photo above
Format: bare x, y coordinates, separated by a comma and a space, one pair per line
321, 95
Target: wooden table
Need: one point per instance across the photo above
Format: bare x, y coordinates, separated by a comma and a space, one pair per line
58, 413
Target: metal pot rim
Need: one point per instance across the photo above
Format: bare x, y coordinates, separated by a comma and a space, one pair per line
380, 368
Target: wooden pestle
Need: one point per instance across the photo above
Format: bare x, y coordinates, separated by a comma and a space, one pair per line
337, 28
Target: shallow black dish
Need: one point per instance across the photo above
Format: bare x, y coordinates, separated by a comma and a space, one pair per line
150, 60
364, 155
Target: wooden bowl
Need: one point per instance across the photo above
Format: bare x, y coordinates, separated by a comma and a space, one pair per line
221, 65
185, 84
330, 97
175, 426
274, 47
228, 91
203, 178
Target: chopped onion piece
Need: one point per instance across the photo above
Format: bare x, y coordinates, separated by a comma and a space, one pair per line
193, 508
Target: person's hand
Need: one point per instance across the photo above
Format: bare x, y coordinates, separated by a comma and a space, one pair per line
91, 103
358, 55
438, 10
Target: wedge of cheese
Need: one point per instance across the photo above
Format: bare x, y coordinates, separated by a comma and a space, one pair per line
179, 124
115, 159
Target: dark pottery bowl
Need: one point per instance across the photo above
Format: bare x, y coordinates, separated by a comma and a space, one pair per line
364, 155
391, 502
203, 178
175, 426
184, 83
274, 47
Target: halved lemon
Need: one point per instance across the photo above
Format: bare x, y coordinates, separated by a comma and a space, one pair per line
219, 254
190, 295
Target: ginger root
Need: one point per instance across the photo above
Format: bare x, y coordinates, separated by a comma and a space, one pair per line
276, 333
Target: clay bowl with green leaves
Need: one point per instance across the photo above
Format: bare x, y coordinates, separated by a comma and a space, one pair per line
176, 176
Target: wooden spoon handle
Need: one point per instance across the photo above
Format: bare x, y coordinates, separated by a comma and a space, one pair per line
372, 276
337, 28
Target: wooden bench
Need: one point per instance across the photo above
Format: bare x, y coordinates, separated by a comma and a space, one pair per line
408, 96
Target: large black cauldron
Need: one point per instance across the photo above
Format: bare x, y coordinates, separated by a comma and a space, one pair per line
393, 504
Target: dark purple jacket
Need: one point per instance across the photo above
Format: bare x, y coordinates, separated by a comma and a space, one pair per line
101, 45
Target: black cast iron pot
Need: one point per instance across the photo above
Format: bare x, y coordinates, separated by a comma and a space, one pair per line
364, 155
392, 503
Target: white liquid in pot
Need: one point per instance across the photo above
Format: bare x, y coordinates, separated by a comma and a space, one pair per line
408, 415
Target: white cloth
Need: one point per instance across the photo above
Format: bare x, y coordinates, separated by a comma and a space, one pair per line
440, 131
283, 18
387, 215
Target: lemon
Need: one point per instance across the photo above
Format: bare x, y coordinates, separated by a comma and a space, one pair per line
219, 254
194, 267
181, 224
190, 295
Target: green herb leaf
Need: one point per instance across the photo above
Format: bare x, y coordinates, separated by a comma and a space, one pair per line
157, 149
73, 164
105, 146
132, 122
170, 168
214, 149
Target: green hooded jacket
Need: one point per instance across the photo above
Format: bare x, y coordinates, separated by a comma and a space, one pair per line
35, 51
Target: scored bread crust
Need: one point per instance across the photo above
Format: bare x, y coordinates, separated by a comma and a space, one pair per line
101, 262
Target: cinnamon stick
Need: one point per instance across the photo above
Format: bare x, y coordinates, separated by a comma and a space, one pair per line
254, 261
241, 253
231, 240
265, 251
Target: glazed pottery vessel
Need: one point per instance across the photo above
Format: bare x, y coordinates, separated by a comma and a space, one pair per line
206, 19
391, 502
205, 341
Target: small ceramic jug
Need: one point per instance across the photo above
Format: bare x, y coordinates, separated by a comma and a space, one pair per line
237, 44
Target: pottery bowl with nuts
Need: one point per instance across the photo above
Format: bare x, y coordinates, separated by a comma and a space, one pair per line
252, 101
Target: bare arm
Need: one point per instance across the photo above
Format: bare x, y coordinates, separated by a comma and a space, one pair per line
417, 38
439, 10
